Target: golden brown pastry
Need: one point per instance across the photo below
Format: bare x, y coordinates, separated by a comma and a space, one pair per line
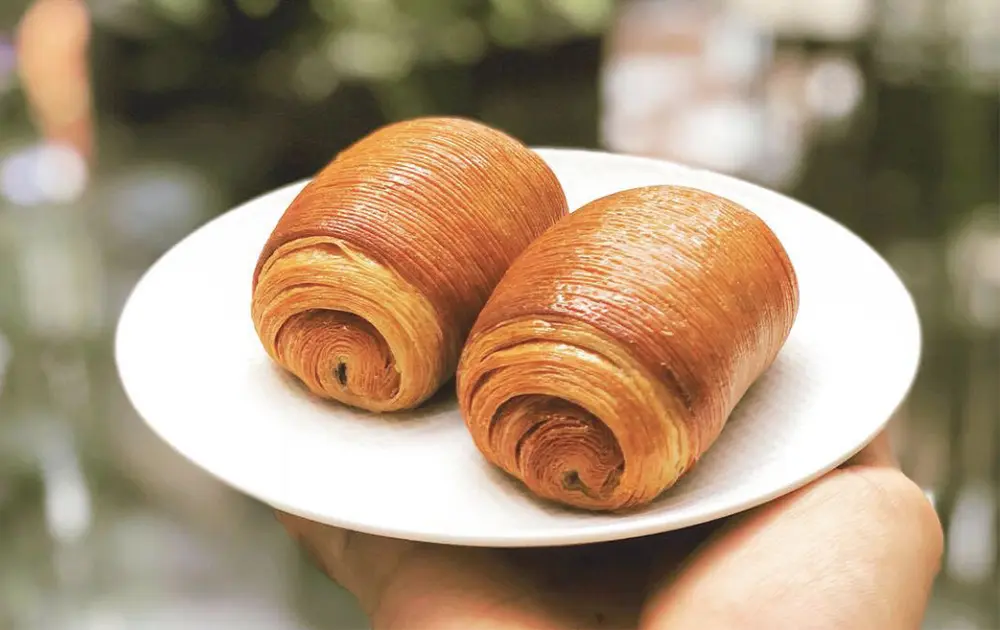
609, 357
375, 273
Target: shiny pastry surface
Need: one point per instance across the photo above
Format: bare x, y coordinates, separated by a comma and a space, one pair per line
372, 278
611, 354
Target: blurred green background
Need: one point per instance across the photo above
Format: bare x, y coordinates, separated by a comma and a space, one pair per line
125, 124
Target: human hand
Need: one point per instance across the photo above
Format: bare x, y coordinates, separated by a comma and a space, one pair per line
858, 548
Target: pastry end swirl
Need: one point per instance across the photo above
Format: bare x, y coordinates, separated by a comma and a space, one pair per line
323, 311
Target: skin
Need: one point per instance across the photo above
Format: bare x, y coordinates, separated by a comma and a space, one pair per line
858, 548
53, 41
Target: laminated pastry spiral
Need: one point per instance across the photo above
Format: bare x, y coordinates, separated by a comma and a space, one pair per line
372, 278
613, 351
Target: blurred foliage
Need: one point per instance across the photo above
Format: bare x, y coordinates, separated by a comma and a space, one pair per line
291, 81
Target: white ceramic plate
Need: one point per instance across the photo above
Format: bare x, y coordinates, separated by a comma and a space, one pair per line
194, 369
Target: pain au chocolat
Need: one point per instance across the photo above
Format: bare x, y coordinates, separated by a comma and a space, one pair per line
610, 356
372, 278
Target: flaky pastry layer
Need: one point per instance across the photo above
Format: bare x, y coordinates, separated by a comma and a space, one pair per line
369, 283
609, 358
348, 327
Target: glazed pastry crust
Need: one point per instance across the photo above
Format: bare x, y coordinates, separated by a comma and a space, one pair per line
609, 358
372, 278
